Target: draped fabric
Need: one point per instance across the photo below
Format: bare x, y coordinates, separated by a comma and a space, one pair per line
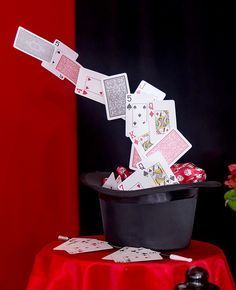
38, 151
57, 270
186, 49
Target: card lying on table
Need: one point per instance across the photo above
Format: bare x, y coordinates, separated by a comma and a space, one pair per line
83, 245
132, 254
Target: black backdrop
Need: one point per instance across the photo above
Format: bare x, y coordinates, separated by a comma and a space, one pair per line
185, 48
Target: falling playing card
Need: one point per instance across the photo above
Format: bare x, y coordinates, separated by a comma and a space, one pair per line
145, 87
63, 63
89, 85
132, 254
134, 158
161, 118
136, 181
141, 141
157, 168
172, 146
136, 113
116, 88
33, 45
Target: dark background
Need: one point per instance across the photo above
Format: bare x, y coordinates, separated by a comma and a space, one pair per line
186, 49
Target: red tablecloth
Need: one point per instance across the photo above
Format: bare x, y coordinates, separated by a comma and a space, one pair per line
57, 270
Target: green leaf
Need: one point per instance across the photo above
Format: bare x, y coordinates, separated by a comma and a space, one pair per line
230, 199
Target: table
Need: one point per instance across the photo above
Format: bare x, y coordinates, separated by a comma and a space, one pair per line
57, 270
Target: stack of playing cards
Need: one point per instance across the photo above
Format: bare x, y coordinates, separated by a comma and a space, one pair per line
150, 121
83, 245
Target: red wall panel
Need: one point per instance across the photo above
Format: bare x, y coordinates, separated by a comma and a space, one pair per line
38, 162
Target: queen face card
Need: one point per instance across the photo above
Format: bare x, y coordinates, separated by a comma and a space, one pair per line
157, 168
161, 118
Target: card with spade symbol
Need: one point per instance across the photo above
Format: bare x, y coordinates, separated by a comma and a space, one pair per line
89, 85
136, 113
158, 169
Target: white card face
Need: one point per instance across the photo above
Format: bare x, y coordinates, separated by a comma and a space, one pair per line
132, 254
145, 87
161, 118
33, 45
136, 181
111, 182
157, 168
134, 158
137, 113
173, 145
83, 245
89, 85
141, 142
116, 88
66, 50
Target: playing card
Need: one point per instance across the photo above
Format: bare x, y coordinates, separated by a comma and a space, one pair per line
70, 243
134, 158
116, 88
136, 181
161, 118
141, 141
33, 45
111, 182
66, 50
63, 62
137, 113
132, 254
82, 245
67, 67
145, 87
89, 85
172, 146
157, 168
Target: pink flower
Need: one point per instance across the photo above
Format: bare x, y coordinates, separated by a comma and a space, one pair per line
231, 182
